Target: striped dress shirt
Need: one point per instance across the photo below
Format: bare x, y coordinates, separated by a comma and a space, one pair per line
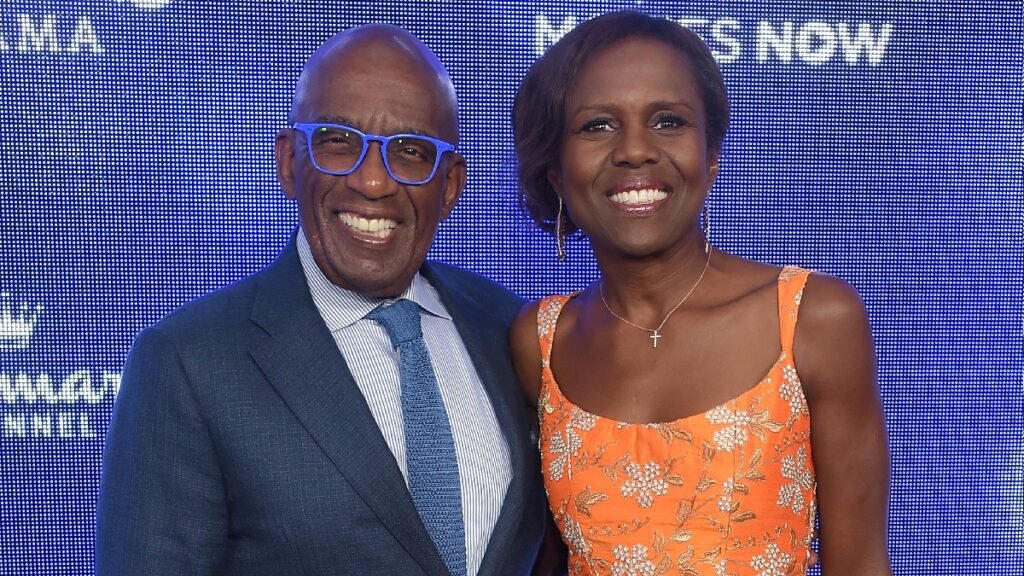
480, 448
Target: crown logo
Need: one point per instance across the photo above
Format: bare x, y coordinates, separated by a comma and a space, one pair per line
16, 327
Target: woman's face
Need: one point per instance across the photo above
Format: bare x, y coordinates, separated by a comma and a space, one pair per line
635, 166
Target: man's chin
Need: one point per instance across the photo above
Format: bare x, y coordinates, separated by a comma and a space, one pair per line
375, 283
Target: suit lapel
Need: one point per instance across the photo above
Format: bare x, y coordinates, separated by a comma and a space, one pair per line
487, 344
292, 345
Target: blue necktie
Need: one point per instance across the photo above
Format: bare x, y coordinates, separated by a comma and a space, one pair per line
429, 449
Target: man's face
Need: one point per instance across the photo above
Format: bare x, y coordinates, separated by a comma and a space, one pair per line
369, 233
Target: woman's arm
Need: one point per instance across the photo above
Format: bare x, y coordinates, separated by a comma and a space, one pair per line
835, 359
524, 346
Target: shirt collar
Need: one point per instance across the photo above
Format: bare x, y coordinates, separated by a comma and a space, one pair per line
341, 308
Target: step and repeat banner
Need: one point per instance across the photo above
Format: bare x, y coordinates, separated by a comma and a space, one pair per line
877, 140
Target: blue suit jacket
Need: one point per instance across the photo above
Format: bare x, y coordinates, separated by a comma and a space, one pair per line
240, 444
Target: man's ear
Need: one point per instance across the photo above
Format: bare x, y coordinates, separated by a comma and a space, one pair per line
455, 183
284, 154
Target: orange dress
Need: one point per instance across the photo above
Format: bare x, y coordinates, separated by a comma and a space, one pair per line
730, 491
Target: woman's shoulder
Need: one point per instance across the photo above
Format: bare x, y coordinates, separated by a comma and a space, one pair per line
829, 303
737, 278
833, 341
528, 328
829, 306
528, 316
828, 297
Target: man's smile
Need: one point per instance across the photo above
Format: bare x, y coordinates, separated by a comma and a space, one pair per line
379, 228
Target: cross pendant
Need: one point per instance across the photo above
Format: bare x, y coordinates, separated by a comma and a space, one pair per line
654, 338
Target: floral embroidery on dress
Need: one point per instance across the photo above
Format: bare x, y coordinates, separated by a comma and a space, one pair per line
797, 470
735, 434
792, 391
569, 446
773, 562
644, 483
730, 492
632, 561
740, 422
574, 539
547, 319
558, 446
670, 432
726, 502
790, 272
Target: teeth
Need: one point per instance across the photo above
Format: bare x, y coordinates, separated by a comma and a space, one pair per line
377, 227
645, 196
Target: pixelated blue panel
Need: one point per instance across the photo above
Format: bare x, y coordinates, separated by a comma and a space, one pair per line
878, 141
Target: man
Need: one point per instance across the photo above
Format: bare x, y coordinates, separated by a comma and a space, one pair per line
270, 428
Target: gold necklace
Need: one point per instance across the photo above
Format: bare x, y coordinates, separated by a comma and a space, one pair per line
656, 332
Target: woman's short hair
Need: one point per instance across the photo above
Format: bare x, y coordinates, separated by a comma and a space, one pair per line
538, 113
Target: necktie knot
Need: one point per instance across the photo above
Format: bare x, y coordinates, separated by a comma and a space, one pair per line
401, 320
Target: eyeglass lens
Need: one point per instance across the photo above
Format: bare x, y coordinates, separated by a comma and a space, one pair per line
408, 158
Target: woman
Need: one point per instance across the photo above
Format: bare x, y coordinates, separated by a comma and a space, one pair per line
689, 423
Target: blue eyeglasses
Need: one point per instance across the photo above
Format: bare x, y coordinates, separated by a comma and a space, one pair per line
409, 158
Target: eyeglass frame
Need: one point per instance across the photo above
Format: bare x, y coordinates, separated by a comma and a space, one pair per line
308, 128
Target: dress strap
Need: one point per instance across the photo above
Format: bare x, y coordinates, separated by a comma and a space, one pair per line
547, 317
792, 280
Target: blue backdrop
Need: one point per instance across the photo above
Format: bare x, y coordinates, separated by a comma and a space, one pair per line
877, 140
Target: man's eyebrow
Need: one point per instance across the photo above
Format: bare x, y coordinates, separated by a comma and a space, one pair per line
336, 120
410, 130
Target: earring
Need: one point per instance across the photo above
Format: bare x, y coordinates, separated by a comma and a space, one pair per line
706, 217
560, 233
706, 227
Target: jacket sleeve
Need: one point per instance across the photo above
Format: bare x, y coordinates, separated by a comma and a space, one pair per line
162, 507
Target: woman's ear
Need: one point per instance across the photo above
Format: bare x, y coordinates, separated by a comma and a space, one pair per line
555, 179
